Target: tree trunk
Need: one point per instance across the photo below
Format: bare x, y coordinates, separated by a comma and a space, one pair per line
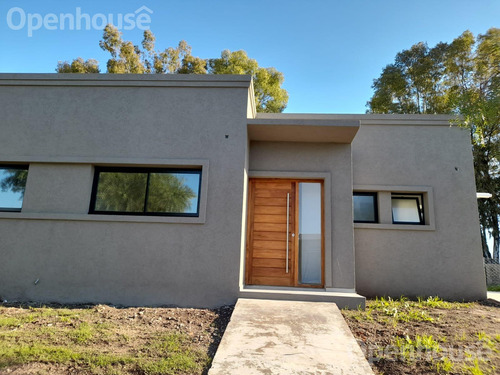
496, 239
484, 243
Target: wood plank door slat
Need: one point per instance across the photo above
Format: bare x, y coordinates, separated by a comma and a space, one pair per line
267, 232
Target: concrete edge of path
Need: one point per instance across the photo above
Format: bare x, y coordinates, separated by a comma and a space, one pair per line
494, 296
288, 337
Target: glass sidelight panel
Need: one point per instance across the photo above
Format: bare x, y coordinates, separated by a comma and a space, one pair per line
309, 233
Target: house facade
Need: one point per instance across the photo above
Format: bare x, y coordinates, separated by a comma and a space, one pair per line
172, 190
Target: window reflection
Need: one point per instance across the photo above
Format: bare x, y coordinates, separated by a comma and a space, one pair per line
146, 191
12, 187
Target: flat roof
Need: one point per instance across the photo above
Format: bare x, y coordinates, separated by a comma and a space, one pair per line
288, 127
125, 80
364, 119
332, 128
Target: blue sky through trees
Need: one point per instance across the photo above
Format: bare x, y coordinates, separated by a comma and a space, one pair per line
329, 51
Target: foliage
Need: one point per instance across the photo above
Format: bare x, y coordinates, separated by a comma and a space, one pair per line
462, 78
10, 322
411, 84
443, 366
410, 348
474, 369
176, 356
435, 302
78, 66
461, 338
129, 58
404, 303
403, 310
269, 95
488, 341
25, 353
83, 333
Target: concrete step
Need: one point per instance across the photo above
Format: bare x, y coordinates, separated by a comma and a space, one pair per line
343, 300
288, 338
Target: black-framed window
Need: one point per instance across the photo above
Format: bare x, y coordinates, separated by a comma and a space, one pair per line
407, 208
146, 191
12, 185
365, 207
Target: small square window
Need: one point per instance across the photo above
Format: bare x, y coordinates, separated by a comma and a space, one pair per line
146, 191
12, 185
407, 209
365, 207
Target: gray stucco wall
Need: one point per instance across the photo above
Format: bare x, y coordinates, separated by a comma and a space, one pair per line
335, 160
64, 128
445, 260
64, 125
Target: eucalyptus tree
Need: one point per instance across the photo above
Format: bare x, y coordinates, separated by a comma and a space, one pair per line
145, 59
461, 78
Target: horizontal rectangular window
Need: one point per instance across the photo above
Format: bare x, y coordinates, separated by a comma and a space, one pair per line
146, 191
365, 207
407, 209
12, 186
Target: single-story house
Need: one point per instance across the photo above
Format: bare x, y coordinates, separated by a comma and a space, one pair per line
172, 190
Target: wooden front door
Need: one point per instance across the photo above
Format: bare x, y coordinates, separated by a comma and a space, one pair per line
285, 242
266, 260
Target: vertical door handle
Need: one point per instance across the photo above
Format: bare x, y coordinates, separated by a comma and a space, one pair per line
287, 226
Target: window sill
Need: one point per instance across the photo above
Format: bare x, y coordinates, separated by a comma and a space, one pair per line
102, 218
394, 226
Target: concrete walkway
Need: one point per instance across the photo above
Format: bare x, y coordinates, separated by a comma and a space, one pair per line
288, 337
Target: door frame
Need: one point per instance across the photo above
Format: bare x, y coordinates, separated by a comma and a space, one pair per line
325, 182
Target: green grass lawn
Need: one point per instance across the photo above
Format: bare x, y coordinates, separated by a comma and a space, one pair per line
107, 340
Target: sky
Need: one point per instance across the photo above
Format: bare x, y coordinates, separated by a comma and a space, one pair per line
328, 51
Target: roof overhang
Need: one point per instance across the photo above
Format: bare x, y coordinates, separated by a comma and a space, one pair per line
306, 129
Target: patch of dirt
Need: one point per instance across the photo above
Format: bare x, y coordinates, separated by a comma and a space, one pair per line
115, 331
468, 337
